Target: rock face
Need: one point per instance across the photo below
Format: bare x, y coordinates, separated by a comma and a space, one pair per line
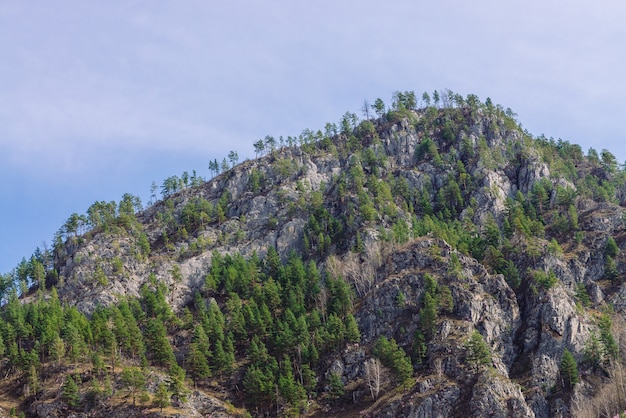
481, 301
525, 325
198, 405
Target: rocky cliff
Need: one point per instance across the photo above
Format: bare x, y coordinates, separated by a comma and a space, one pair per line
477, 251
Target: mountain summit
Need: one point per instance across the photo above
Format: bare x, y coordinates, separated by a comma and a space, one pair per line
433, 261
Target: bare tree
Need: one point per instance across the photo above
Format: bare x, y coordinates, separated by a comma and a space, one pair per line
610, 397
366, 109
373, 376
360, 273
321, 299
438, 367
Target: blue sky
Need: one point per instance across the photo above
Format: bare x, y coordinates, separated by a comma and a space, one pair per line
101, 98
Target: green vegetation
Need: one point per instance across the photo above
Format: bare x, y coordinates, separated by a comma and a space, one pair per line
395, 358
267, 310
70, 391
568, 369
478, 352
269, 325
545, 280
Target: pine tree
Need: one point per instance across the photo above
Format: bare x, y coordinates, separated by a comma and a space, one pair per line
336, 330
352, 329
394, 357
568, 369
214, 323
258, 386
160, 347
197, 364
97, 364
137, 346
176, 382
593, 352
478, 352
289, 389
446, 301
611, 349
74, 342
33, 380
337, 387
201, 339
428, 316
162, 396
419, 347
95, 389
220, 359
611, 248
134, 380
70, 392
229, 352
108, 386
57, 350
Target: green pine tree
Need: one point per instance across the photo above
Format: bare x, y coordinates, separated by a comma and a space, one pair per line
352, 329
197, 364
337, 387
289, 389
176, 382
70, 392
428, 316
478, 352
134, 380
162, 396
160, 347
568, 369
258, 385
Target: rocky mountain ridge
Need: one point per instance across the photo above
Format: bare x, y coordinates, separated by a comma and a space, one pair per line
457, 234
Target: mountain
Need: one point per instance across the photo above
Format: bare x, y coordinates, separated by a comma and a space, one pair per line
434, 261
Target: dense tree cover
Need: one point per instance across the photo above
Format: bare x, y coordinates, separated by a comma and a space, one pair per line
277, 317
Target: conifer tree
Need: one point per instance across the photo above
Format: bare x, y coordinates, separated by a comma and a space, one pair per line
137, 346
160, 347
57, 350
611, 349
258, 386
419, 347
134, 380
611, 249
352, 329
229, 352
197, 364
220, 358
428, 316
201, 339
568, 369
214, 323
162, 396
176, 382
478, 352
70, 392
34, 384
337, 387
289, 389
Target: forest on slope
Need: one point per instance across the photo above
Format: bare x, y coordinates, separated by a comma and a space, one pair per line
418, 260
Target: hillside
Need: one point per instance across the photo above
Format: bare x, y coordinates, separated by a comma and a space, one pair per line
433, 261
